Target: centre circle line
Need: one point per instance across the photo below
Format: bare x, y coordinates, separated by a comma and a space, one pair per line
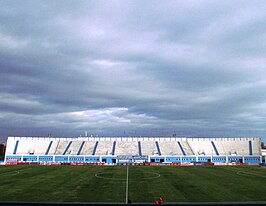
157, 175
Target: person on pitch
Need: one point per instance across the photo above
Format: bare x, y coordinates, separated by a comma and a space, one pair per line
160, 200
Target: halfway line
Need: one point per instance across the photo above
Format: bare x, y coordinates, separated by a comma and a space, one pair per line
127, 187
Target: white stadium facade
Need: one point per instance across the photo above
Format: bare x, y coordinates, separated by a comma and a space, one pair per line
133, 150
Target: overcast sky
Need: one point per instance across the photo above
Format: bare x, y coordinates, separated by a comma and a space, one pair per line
194, 68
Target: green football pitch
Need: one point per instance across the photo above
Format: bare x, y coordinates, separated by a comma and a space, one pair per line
139, 184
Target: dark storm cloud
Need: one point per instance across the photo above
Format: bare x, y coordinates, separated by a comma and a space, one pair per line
71, 66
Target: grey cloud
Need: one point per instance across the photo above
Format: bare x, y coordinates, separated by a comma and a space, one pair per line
196, 67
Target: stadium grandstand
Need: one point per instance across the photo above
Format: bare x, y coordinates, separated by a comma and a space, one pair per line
133, 150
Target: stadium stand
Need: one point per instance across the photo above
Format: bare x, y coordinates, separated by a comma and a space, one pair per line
185, 146
74, 147
127, 148
104, 148
170, 148
61, 148
202, 147
116, 150
149, 148
88, 147
52, 149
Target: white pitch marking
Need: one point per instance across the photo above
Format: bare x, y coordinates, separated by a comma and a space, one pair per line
127, 187
249, 173
99, 175
14, 172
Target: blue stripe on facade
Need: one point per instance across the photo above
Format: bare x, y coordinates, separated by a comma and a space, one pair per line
250, 147
81, 146
215, 149
113, 150
139, 146
95, 148
49, 147
67, 147
16, 147
158, 148
183, 151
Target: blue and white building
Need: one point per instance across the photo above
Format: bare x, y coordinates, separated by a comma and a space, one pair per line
121, 150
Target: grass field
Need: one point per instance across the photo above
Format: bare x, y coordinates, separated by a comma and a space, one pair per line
143, 185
